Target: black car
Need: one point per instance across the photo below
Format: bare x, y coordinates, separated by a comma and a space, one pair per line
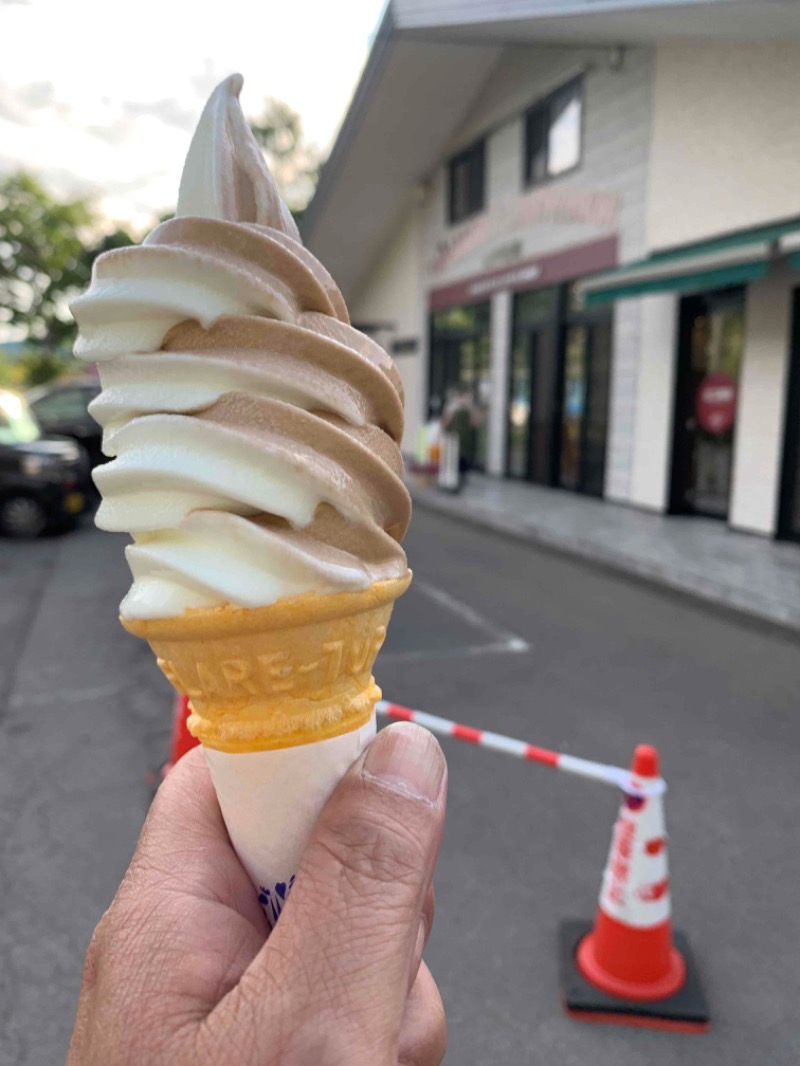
42, 479
62, 409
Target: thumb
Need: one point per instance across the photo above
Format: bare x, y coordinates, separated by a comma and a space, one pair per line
345, 939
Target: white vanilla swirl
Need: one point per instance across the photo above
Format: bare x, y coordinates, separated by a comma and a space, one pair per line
255, 433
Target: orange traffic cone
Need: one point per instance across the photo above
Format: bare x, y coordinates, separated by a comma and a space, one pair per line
182, 739
628, 968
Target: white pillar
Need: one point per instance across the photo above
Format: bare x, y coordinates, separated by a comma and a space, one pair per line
758, 444
655, 403
500, 355
622, 399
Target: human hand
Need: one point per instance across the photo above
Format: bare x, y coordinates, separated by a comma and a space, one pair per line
182, 968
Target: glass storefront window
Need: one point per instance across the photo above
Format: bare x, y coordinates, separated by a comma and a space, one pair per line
596, 426
574, 403
558, 403
789, 513
710, 354
461, 358
519, 412
534, 308
531, 398
584, 424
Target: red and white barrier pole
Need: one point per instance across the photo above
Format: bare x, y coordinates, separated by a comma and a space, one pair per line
570, 764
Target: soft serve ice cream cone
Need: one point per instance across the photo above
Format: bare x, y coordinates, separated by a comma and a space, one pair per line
256, 463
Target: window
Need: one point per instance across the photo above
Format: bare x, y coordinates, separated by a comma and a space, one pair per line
553, 134
467, 183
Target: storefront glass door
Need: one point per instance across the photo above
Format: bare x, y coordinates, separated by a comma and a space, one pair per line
789, 512
584, 420
710, 345
558, 404
460, 358
533, 392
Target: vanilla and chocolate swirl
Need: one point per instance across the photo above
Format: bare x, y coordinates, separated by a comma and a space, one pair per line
255, 433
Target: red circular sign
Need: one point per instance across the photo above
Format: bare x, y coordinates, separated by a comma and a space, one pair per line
715, 403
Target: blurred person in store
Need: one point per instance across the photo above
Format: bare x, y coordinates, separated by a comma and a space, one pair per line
461, 418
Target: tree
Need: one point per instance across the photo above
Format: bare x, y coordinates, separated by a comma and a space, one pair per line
40, 367
293, 161
46, 253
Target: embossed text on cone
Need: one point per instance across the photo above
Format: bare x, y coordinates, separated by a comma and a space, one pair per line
295, 672
629, 968
281, 699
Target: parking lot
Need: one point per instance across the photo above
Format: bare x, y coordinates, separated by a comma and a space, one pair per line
493, 633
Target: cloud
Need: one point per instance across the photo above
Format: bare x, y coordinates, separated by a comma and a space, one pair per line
11, 112
20, 105
131, 184
31, 104
122, 126
116, 133
207, 79
168, 110
37, 94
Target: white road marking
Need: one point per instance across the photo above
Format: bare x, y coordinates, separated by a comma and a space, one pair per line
503, 641
470, 615
465, 651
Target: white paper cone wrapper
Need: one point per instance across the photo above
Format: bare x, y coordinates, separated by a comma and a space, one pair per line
270, 801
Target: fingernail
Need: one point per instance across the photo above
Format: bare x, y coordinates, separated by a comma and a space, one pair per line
408, 759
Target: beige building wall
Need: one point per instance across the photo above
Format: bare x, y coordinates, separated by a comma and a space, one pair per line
392, 297
726, 139
655, 401
725, 152
760, 416
603, 197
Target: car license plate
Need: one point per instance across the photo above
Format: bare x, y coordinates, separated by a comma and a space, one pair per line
73, 503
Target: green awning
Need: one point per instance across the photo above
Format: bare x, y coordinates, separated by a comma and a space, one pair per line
734, 259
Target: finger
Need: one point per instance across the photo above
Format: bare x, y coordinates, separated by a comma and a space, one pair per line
184, 844
185, 923
423, 1037
423, 934
342, 950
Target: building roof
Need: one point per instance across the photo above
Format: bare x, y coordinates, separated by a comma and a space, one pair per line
427, 65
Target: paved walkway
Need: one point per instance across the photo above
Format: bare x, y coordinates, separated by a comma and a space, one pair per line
699, 556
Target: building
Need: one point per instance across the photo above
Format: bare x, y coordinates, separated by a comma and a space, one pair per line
589, 214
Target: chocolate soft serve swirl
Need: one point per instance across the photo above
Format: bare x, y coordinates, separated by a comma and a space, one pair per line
255, 433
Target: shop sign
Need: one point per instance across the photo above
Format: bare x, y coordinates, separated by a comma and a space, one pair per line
532, 274
542, 206
508, 279
715, 403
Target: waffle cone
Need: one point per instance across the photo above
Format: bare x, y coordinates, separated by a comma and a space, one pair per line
295, 672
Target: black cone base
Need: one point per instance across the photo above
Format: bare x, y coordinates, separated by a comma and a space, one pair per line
685, 1011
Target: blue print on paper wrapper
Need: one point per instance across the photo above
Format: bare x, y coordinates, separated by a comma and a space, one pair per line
273, 899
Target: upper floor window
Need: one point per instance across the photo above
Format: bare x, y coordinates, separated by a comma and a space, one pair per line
554, 134
467, 183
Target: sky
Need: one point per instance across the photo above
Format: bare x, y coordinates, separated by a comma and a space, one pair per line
100, 97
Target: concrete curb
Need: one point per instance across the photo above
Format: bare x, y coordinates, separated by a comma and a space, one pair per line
689, 583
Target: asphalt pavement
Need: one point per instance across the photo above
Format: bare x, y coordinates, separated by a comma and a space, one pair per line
497, 634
